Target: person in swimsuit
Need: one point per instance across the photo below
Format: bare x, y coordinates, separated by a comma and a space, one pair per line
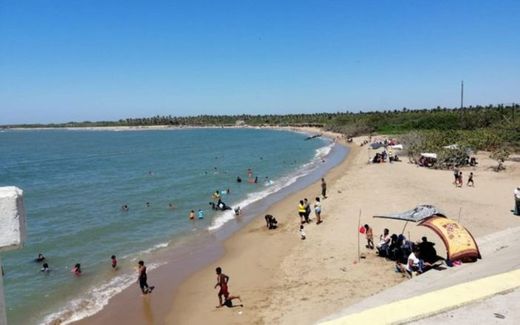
114, 262
143, 279
222, 282
76, 269
192, 215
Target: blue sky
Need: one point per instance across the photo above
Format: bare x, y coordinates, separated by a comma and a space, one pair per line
78, 60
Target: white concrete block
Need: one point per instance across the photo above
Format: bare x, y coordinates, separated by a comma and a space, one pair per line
12, 218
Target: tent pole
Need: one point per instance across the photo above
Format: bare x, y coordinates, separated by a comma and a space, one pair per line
402, 232
358, 227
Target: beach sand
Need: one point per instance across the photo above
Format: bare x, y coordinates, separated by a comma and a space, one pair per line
285, 280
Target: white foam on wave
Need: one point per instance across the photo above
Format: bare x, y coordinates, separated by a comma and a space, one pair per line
276, 186
135, 256
93, 300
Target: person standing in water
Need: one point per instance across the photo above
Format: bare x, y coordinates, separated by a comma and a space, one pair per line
143, 279
191, 216
323, 188
114, 262
200, 214
76, 269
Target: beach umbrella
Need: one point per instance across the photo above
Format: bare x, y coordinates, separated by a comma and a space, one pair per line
459, 242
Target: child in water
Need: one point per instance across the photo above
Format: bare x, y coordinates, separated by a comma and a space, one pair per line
114, 262
200, 214
76, 269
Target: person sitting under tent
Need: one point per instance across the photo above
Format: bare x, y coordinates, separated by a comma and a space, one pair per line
384, 243
428, 252
413, 264
271, 222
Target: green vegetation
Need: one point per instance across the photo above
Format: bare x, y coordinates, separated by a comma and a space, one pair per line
480, 128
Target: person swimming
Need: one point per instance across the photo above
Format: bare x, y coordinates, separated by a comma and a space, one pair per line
76, 269
239, 180
45, 268
124, 207
40, 258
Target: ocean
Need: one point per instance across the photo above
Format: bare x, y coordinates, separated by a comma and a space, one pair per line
76, 181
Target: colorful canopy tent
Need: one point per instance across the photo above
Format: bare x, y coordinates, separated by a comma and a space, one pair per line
459, 242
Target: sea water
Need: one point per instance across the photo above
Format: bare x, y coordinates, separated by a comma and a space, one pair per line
76, 181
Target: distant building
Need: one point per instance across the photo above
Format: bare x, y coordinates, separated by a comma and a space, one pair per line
240, 123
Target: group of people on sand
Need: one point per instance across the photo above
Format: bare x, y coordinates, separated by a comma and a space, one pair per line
304, 210
458, 179
76, 270
410, 257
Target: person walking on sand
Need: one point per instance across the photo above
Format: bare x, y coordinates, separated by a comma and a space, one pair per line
323, 188
456, 176
302, 233
307, 206
317, 210
470, 180
222, 282
370, 237
301, 211
143, 279
460, 179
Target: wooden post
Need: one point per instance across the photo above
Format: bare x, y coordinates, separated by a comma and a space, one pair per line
358, 227
12, 230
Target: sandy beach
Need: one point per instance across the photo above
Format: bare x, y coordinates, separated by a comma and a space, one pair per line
285, 280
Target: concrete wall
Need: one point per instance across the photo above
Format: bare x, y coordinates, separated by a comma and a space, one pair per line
12, 218
12, 230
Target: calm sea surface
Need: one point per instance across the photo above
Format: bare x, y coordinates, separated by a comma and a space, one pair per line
75, 183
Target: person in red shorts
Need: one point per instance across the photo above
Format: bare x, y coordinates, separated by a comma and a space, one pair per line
222, 282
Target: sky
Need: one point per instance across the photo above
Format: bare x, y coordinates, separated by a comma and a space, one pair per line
78, 60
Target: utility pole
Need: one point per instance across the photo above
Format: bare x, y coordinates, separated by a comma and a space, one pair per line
462, 94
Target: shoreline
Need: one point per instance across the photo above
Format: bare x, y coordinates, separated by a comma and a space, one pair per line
283, 280
203, 253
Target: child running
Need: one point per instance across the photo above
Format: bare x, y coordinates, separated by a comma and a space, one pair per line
222, 282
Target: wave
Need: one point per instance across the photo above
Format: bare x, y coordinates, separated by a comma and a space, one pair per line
274, 186
93, 300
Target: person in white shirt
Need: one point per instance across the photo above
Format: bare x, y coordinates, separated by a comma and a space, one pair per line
414, 264
516, 193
